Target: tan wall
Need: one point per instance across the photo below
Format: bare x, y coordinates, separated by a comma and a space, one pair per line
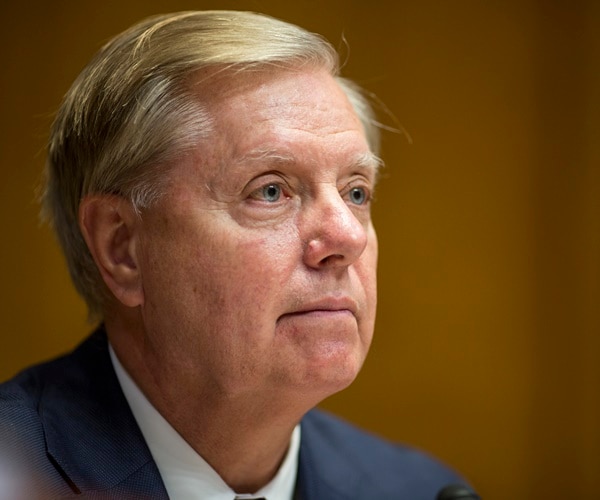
487, 348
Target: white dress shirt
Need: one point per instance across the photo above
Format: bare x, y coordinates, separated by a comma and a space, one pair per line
186, 475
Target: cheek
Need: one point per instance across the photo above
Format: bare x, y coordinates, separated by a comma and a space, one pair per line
237, 275
369, 268
265, 259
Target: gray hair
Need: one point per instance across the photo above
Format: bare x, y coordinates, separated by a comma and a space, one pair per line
131, 110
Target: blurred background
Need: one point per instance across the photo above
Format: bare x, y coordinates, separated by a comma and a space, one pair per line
487, 349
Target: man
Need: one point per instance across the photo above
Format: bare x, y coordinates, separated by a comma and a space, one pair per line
209, 177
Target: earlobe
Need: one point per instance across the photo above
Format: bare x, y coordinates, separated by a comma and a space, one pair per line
108, 224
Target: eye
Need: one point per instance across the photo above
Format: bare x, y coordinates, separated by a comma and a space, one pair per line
358, 195
270, 193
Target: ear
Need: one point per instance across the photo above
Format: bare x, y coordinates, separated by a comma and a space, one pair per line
109, 226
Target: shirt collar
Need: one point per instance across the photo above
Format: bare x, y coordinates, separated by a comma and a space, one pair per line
186, 475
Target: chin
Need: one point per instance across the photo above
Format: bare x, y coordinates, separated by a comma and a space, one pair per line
334, 372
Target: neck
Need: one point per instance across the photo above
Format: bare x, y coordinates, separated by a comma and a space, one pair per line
240, 442
243, 438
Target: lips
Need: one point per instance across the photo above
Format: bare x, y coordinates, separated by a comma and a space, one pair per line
326, 307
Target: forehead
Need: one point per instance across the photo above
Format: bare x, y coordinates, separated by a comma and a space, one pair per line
300, 114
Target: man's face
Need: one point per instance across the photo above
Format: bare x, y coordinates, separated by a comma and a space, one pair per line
259, 263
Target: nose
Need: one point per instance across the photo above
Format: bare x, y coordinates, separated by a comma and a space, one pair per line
333, 234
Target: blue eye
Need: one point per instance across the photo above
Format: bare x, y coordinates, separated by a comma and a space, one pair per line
358, 196
271, 192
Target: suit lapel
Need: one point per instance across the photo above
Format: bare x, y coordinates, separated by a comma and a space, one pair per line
91, 433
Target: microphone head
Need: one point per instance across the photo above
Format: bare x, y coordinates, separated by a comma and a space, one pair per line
457, 492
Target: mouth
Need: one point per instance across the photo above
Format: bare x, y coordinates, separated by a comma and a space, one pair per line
327, 308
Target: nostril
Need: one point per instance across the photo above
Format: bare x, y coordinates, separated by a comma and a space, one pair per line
332, 259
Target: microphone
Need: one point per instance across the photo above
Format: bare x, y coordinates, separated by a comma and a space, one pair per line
457, 492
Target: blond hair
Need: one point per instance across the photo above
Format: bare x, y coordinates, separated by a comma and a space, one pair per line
131, 110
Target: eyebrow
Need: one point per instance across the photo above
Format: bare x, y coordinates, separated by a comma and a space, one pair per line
362, 161
369, 160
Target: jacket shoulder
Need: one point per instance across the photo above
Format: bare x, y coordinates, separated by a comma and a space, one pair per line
66, 431
24, 463
20, 398
355, 460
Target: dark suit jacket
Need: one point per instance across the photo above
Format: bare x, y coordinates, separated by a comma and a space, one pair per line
68, 425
